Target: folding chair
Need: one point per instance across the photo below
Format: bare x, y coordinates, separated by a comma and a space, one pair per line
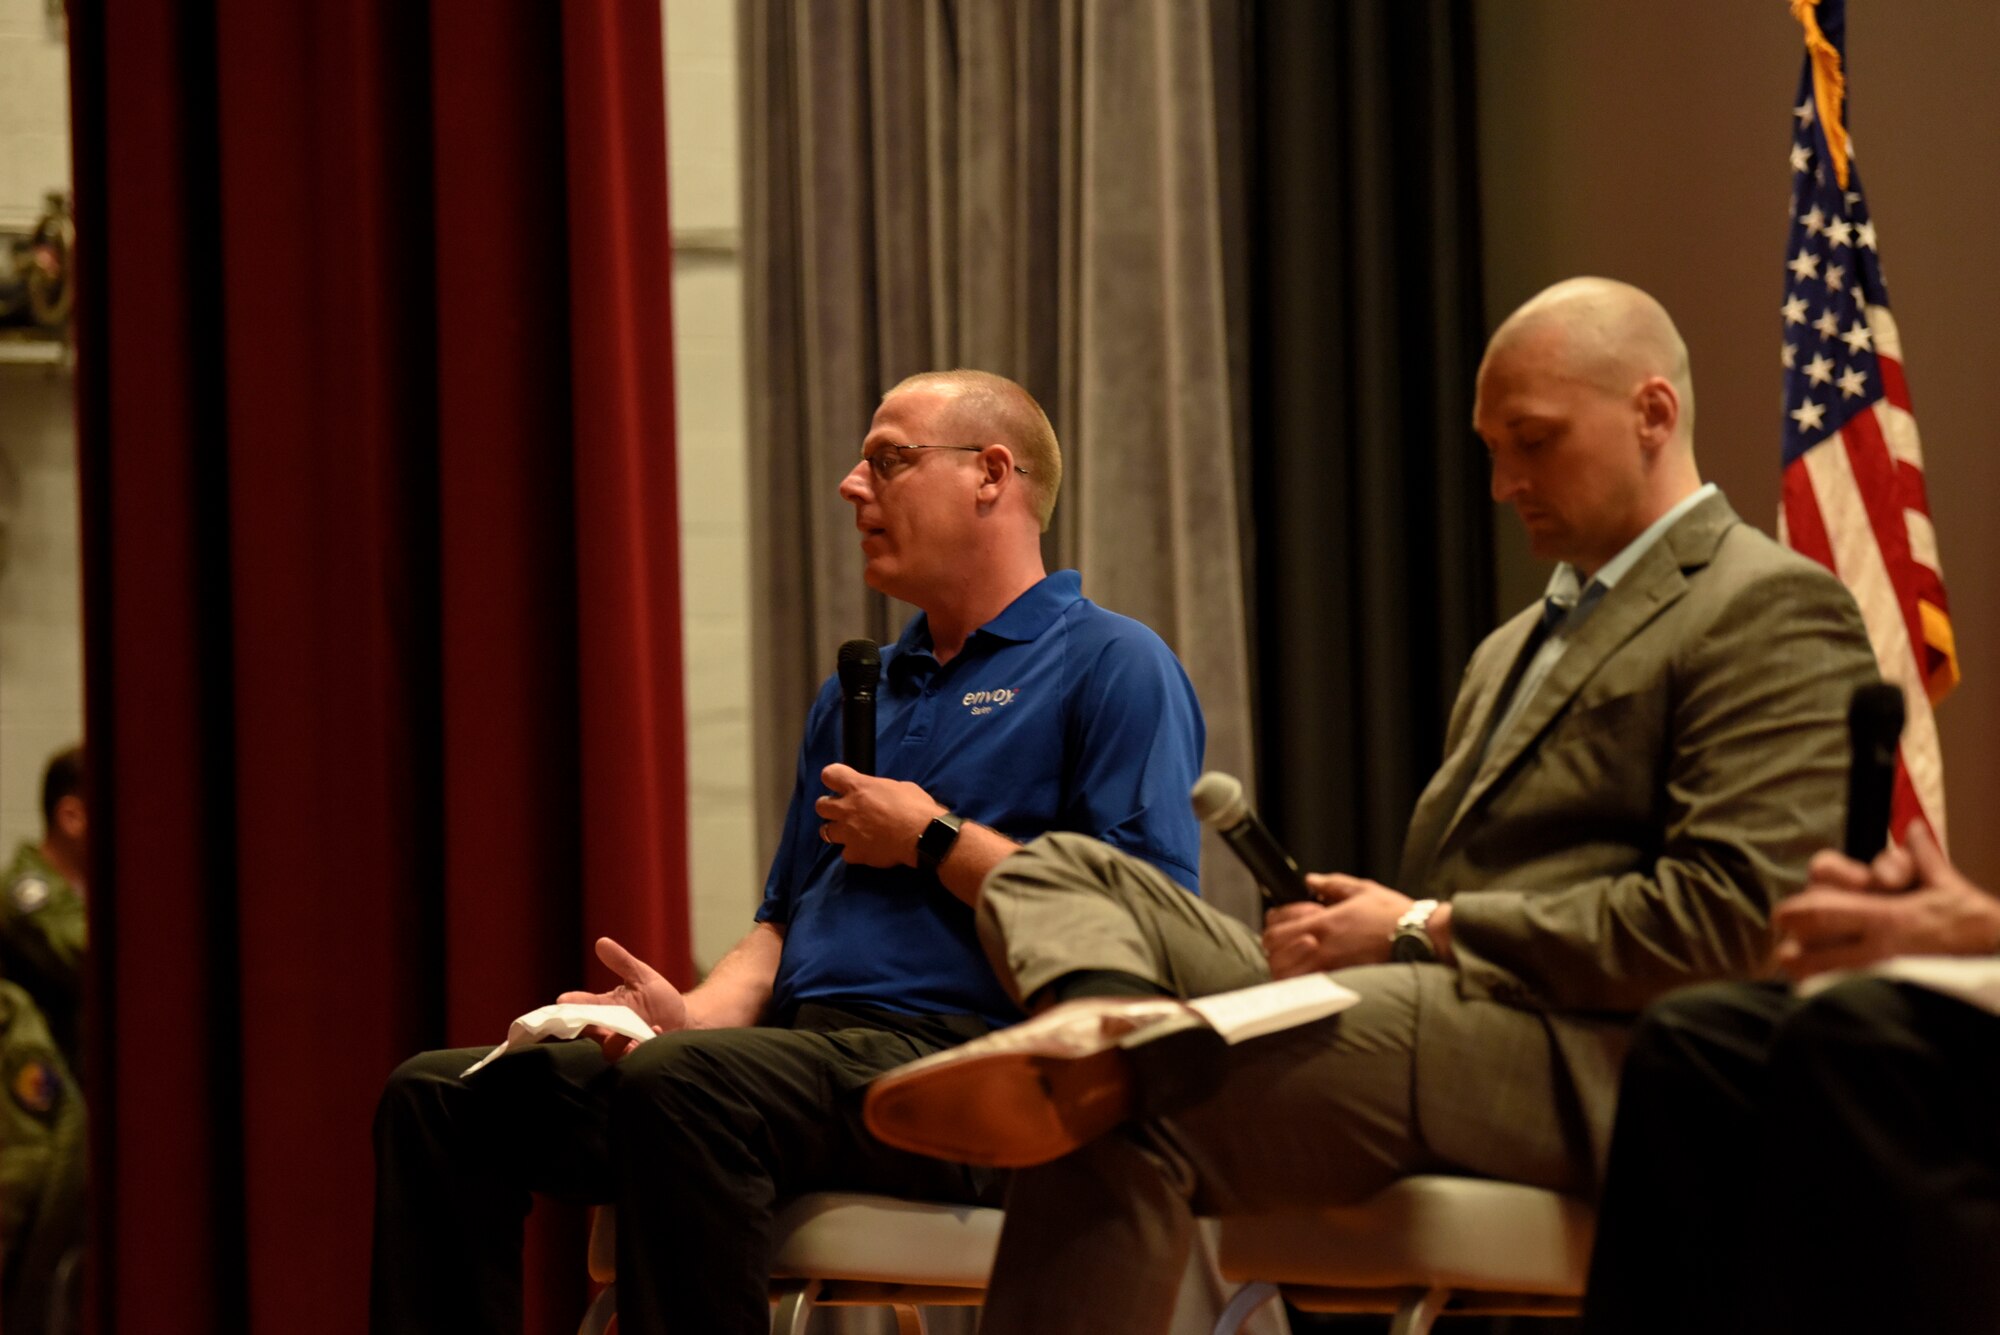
846, 1249
1421, 1247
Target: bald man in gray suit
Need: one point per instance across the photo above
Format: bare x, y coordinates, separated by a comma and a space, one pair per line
1636, 770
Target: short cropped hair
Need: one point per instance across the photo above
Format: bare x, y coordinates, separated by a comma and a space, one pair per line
989, 403
63, 778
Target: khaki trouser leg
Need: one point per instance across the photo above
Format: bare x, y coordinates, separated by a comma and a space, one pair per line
1066, 903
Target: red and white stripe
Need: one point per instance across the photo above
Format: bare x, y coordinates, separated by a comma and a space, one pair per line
1855, 503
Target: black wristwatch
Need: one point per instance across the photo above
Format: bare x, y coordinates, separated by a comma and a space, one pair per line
934, 844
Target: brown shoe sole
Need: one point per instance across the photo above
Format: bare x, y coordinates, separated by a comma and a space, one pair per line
1005, 1110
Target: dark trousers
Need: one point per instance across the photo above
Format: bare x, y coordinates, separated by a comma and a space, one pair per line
696, 1137
1823, 1167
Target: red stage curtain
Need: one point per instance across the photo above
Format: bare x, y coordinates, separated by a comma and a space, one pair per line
382, 595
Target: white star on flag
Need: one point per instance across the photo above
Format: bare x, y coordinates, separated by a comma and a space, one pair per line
1858, 339
1819, 370
1790, 356
1839, 232
1794, 310
1804, 265
1800, 158
1865, 235
1828, 326
1853, 384
1836, 276
1804, 112
1813, 221
1808, 415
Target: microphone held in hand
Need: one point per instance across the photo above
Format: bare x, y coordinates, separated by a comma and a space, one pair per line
860, 666
1874, 725
1219, 804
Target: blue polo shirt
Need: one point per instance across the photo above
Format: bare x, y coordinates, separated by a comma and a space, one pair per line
1056, 715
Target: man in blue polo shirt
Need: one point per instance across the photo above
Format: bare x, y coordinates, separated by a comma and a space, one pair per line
1010, 707
1050, 718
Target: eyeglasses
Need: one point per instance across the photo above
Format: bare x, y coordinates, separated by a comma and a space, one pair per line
890, 460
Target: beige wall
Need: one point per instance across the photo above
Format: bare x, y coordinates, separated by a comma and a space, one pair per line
710, 409
1649, 142
41, 628
41, 649
34, 110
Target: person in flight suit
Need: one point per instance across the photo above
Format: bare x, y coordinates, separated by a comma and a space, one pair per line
42, 1168
42, 929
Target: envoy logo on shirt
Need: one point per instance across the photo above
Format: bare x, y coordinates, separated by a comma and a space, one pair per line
985, 702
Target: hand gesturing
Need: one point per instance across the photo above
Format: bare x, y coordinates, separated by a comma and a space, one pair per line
640, 986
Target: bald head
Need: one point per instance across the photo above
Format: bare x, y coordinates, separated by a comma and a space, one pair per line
1606, 334
987, 408
1587, 412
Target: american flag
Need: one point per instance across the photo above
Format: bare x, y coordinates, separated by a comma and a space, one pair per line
1853, 469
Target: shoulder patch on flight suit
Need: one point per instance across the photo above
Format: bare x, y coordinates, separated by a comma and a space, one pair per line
36, 1086
28, 894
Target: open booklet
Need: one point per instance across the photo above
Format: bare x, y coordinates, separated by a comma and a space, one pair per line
1974, 980
1252, 1012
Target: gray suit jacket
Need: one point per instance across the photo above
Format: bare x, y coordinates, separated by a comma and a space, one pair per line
1629, 834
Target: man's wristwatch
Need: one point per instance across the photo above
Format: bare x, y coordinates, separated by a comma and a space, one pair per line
1410, 943
936, 840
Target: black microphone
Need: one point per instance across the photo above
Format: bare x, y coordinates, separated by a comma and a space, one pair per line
1220, 805
1874, 724
860, 668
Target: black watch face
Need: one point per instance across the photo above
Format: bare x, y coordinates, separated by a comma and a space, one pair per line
936, 841
1411, 948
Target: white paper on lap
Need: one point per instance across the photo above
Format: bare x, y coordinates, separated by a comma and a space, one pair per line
566, 1020
1252, 1012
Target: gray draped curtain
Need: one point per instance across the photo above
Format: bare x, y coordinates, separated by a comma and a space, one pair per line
1048, 189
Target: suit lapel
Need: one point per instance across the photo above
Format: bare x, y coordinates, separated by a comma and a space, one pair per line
1441, 797
1659, 578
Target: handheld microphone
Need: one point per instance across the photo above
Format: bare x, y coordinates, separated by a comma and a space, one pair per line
1874, 724
860, 667
1219, 804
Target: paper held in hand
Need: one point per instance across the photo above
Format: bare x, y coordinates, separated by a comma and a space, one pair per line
567, 1020
1252, 1012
